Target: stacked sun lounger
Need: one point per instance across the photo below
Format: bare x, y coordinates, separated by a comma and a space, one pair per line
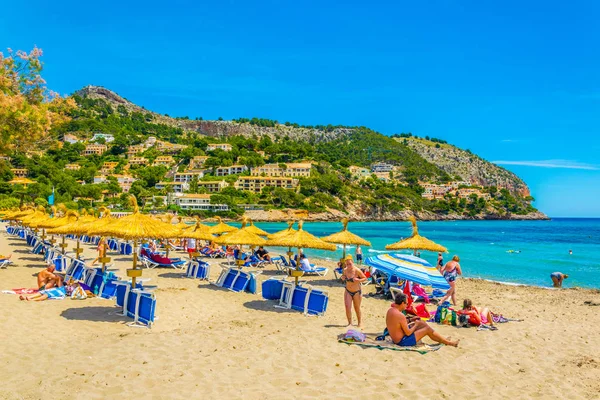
137, 303
198, 269
237, 280
304, 298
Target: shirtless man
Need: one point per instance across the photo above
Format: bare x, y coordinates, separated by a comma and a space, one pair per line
47, 279
404, 333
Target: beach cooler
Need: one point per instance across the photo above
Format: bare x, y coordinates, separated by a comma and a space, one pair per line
198, 269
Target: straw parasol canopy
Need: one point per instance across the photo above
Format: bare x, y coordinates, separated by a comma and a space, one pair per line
283, 232
416, 241
40, 212
302, 240
253, 229
19, 214
345, 237
241, 236
221, 228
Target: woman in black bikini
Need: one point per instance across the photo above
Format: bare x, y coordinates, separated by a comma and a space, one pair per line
352, 277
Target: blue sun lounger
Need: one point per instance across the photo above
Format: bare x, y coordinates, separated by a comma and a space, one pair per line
236, 280
198, 269
303, 298
136, 303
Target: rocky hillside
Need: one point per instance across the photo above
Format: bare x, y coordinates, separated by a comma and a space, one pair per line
470, 167
450, 159
213, 128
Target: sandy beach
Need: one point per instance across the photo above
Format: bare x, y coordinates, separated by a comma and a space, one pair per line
215, 343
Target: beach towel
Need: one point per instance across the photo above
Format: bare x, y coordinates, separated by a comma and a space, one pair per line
388, 345
20, 291
57, 293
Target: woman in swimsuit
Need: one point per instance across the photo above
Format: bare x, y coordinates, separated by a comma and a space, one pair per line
450, 271
353, 277
477, 315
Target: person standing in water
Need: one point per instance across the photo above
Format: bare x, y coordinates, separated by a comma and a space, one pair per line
440, 262
558, 278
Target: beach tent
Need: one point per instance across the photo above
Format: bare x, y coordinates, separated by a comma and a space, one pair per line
410, 268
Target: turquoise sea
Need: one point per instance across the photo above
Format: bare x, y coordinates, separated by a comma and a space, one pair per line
483, 246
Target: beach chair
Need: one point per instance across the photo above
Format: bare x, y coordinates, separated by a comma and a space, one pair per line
235, 279
272, 288
137, 303
176, 263
75, 271
198, 269
174, 247
4, 263
112, 244
309, 300
125, 248
313, 270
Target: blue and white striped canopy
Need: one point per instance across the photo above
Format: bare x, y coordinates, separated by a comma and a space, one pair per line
410, 268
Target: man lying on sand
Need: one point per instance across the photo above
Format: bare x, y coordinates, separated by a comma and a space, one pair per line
47, 279
53, 293
404, 333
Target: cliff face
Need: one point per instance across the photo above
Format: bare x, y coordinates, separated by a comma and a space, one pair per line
458, 162
212, 128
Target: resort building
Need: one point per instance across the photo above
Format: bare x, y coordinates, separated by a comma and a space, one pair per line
138, 161
383, 176
72, 167
359, 172
19, 172
167, 161
257, 183
198, 202
177, 187
69, 138
221, 146
213, 186
95, 149
124, 181
197, 162
106, 136
288, 169
133, 150
187, 176
234, 169
433, 191
251, 207
151, 141
382, 167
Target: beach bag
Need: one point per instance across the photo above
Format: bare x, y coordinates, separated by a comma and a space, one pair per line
355, 336
78, 294
463, 321
445, 316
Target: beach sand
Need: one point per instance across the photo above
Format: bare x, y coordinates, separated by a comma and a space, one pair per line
219, 344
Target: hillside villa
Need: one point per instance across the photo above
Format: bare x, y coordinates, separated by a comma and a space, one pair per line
359, 172
221, 146
197, 162
72, 167
167, 161
177, 187
187, 176
234, 169
192, 201
138, 161
19, 172
95, 149
106, 136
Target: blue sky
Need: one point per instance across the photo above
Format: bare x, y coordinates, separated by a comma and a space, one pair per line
515, 82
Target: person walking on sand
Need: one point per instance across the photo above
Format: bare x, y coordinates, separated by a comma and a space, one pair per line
558, 278
352, 277
101, 249
450, 271
359, 254
405, 333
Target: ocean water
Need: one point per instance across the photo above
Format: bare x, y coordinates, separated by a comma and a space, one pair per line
483, 246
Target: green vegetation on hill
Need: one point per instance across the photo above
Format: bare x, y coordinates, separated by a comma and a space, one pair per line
330, 186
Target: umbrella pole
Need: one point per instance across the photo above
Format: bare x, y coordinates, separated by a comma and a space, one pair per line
63, 245
77, 249
133, 278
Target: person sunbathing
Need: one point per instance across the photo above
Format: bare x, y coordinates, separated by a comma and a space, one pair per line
52, 293
407, 333
477, 315
47, 279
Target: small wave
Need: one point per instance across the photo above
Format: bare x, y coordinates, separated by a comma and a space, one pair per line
341, 246
377, 251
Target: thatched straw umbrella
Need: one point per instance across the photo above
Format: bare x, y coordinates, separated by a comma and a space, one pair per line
96, 228
250, 227
69, 217
137, 227
283, 233
416, 242
221, 228
302, 240
75, 227
345, 237
242, 236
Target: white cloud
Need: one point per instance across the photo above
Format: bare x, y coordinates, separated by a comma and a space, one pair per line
568, 164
